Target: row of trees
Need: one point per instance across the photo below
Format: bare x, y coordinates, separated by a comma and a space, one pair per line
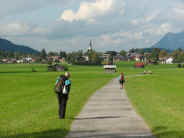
93, 57
177, 55
156, 54
78, 57
17, 55
44, 54
90, 57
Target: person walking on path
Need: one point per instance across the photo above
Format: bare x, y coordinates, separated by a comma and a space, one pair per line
122, 80
62, 89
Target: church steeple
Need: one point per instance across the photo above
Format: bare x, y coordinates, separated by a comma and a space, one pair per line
90, 46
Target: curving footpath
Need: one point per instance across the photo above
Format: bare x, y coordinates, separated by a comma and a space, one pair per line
109, 114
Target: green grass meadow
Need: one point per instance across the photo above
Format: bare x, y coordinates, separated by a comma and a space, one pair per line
28, 105
159, 99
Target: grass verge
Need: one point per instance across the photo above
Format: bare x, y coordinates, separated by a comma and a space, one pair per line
158, 98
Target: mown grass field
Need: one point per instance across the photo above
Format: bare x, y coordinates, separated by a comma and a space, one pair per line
159, 99
28, 105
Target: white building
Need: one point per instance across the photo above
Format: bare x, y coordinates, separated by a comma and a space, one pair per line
25, 60
169, 60
137, 59
20, 61
28, 59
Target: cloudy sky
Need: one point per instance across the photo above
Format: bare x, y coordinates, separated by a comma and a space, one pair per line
70, 24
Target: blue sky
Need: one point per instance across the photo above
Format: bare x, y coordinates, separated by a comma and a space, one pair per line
70, 24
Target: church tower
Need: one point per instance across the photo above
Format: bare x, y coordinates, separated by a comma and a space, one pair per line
90, 46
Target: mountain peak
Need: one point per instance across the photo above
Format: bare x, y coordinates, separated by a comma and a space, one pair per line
8, 46
171, 41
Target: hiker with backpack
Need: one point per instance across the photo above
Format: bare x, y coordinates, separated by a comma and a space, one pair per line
62, 89
121, 80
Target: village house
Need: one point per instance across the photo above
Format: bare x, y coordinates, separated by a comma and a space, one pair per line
4, 60
20, 61
119, 57
26, 60
33, 60
8, 60
109, 60
147, 56
131, 55
115, 55
11, 61
139, 57
166, 60
169, 60
162, 60
61, 60
110, 57
86, 58
53, 58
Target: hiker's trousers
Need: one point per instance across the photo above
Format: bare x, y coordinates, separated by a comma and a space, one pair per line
62, 100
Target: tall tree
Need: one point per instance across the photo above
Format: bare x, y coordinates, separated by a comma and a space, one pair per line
74, 57
43, 54
17, 55
163, 53
155, 54
178, 56
141, 51
95, 58
53, 54
1, 54
123, 53
62, 54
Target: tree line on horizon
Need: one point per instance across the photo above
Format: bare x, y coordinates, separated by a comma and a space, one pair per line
94, 57
157, 54
91, 57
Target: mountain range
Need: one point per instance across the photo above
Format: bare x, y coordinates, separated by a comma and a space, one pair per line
171, 41
8, 46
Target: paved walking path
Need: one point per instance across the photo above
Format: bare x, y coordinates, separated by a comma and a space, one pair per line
109, 114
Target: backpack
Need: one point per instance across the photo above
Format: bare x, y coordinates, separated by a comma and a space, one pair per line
59, 84
119, 78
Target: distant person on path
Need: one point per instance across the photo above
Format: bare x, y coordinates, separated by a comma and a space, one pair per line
62, 89
122, 80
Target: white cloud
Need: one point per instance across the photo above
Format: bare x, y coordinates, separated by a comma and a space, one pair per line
143, 23
110, 39
14, 29
164, 28
146, 19
132, 35
179, 12
119, 38
40, 30
13, 7
151, 17
17, 29
68, 15
135, 22
89, 10
161, 30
